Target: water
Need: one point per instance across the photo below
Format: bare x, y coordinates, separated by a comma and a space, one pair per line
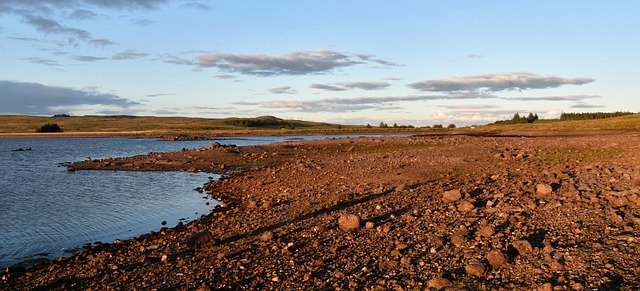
46, 211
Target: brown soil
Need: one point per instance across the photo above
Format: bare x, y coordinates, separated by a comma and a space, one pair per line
471, 212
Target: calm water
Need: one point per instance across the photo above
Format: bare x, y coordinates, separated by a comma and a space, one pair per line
46, 211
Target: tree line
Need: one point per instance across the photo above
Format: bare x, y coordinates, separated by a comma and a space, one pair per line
592, 115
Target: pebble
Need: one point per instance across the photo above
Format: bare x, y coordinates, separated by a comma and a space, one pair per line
267, 236
349, 222
475, 268
451, 196
523, 246
486, 231
439, 283
465, 206
496, 259
543, 189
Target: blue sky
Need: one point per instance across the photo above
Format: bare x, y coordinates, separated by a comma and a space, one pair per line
355, 62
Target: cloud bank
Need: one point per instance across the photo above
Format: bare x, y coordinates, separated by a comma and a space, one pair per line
39, 99
367, 85
496, 83
294, 63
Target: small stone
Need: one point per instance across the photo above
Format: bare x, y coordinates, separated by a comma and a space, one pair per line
545, 287
164, 258
451, 196
465, 206
401, 188
275, 279
439, 283
486, 231
543, 189
524, 247
369, 225
458, 241
267, 236
251, 204
496, 259
475, 268
348, 222
405, 261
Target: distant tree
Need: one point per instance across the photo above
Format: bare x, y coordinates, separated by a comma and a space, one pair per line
592, 115
49, 127
451, 125
438, 126
516, 116
395, 125
369, 125
530, 118
383, 125
535, 116
62, 115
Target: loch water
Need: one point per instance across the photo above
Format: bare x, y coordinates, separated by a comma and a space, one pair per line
47, 211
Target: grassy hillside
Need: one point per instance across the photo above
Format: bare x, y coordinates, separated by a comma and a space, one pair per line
629, 122
158, 125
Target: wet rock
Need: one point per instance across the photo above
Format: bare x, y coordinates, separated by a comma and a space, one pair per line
439, 283
496, 259
543, 189
349, 222
451, 196
475, 268
523, 247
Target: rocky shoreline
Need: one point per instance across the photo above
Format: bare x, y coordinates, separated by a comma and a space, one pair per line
548, 212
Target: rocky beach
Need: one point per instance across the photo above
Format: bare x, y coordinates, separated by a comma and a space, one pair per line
452, 211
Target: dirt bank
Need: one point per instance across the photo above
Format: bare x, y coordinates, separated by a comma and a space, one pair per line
474, 212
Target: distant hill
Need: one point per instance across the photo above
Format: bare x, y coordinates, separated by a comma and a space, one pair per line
159, 125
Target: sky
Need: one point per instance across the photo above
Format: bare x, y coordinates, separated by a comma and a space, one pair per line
350, 62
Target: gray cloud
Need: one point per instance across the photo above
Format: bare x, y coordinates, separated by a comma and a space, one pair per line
225, 77
496, 82
43, 61
143, 22
354, 104
82, 14
282, 90
50, 26
582, 105
65, 4
474, 56
470, 107
294, 63
196, 5
365, 85
101, 42
369, 85
128, 55
160, 94
327, 87
176, 60
34, 98
88, 58
554, 98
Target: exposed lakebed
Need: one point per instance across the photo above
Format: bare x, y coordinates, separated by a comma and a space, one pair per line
47, 211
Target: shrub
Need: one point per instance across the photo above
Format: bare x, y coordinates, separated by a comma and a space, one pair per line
50, 127
438, 126
62, 115
451, 126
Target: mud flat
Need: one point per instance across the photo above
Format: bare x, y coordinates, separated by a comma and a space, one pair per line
547, 212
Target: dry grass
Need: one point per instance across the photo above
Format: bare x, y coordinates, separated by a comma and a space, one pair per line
629, 122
